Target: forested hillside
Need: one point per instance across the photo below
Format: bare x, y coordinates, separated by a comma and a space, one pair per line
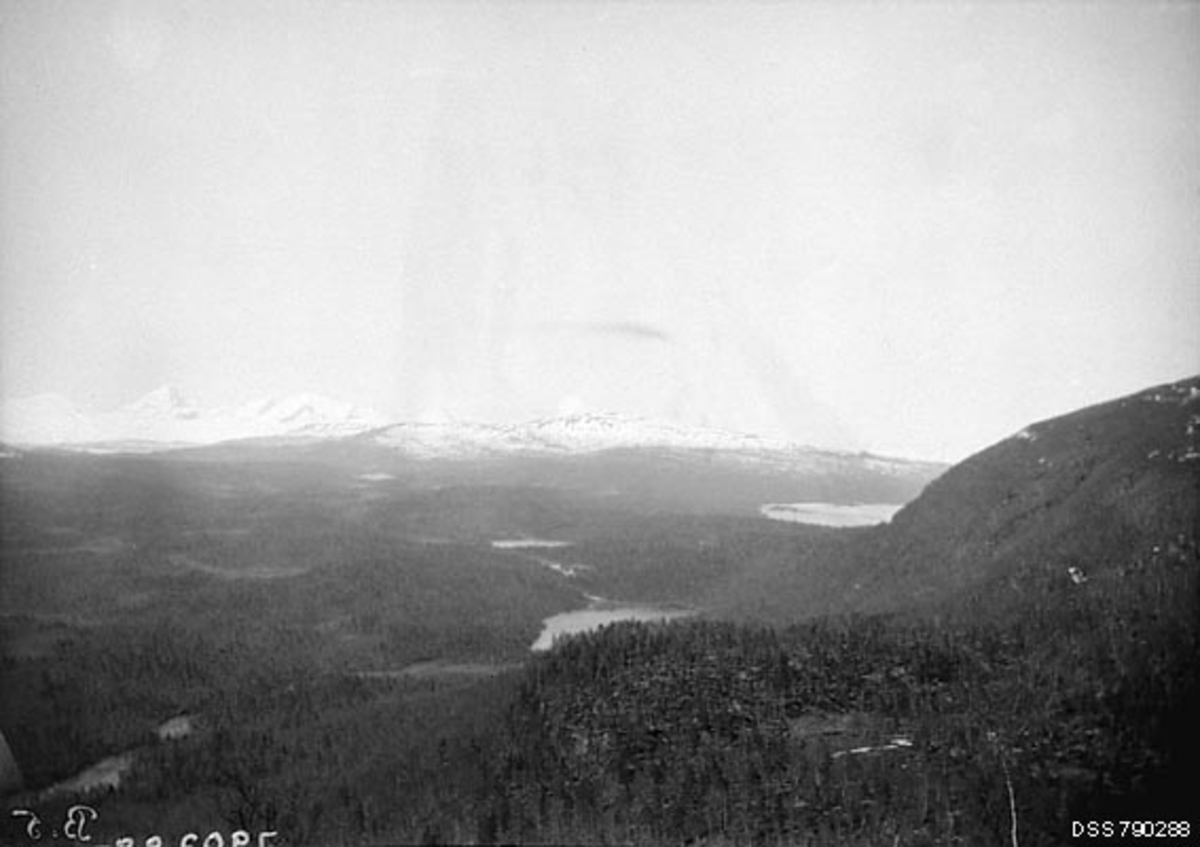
864, 730
1098, 490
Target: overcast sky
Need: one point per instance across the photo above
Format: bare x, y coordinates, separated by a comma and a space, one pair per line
905, 227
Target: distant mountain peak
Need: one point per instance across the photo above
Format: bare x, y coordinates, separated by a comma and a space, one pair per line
165, 400
307, 409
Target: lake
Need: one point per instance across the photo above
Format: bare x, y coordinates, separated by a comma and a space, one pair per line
831, 514
599, 613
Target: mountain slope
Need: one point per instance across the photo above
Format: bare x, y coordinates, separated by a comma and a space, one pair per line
1105, 490
1099, 490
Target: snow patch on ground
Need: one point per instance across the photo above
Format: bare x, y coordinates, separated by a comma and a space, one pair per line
894, 744
560, 568
176, 728
1176, 393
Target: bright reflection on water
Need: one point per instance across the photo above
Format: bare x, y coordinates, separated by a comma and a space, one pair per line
584, 620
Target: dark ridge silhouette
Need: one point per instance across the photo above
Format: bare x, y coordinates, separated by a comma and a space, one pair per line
1097, 494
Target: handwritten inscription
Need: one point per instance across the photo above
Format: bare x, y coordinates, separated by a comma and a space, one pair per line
73, 828
75, 822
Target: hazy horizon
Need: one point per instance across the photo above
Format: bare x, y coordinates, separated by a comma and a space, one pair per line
906, 228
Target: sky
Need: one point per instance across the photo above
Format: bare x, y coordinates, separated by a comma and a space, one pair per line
909, 228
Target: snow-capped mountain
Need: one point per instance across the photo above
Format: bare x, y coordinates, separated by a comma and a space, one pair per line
635, 460
310, 415
167, 418
584, 434
581, 433
165, 403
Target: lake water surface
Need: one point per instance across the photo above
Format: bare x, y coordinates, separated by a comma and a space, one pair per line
601, 612
831, 514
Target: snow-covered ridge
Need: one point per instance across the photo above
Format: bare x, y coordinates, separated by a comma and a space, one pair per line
582, 433
309, 414
166, 418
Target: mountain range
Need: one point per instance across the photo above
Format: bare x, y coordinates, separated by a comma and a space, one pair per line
167, 419
662, 466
